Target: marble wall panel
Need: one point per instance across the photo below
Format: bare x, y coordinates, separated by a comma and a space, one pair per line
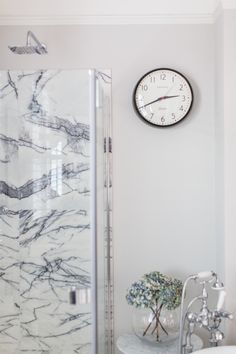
45, 201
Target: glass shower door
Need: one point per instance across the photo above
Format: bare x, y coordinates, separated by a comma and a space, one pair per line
47, 212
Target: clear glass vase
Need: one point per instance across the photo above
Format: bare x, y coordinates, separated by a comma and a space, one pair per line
156, 326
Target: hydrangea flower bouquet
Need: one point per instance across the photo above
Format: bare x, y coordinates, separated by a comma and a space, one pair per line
155, 291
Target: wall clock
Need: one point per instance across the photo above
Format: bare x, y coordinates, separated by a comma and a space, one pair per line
163, 97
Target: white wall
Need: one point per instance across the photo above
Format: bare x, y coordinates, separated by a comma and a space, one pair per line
164, 179
104, 7
229, 163
229, 4
225, 78
219, 142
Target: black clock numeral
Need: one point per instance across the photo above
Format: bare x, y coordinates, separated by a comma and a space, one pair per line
152, 79
181, 108
163, 119
172, 115
144, 87
163, 76
181, 86
173, 78
184, 98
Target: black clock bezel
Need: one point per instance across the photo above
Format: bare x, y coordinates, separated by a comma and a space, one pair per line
154, 124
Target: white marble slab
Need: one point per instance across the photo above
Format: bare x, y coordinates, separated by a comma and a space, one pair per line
131, 344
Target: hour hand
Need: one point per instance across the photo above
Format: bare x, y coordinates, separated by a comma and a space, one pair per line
165, 97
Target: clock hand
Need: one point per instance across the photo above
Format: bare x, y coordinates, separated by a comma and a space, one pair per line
165, 97
158, 99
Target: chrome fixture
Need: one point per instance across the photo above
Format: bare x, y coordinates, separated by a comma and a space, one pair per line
29, 48
210, 320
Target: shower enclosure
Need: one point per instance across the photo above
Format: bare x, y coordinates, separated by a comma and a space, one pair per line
55, 228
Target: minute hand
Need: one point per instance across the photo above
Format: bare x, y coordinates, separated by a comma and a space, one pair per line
159, 99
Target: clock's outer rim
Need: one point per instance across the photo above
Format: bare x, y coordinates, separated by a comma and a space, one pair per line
159, 125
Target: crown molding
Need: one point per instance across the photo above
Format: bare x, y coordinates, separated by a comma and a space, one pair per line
107, 20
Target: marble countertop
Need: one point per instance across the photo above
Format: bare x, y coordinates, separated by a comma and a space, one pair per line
131, 344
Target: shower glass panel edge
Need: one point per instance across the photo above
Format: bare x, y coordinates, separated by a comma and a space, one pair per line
93, 223
104, 212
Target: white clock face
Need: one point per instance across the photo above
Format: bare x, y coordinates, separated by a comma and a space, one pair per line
163, 97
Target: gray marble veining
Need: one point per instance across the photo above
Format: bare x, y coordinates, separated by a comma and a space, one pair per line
45, 238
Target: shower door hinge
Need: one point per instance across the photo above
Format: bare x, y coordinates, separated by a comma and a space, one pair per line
109, 145
108, 148
105, 145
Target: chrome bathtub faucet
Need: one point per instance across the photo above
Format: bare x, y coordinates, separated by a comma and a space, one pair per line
207, 319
